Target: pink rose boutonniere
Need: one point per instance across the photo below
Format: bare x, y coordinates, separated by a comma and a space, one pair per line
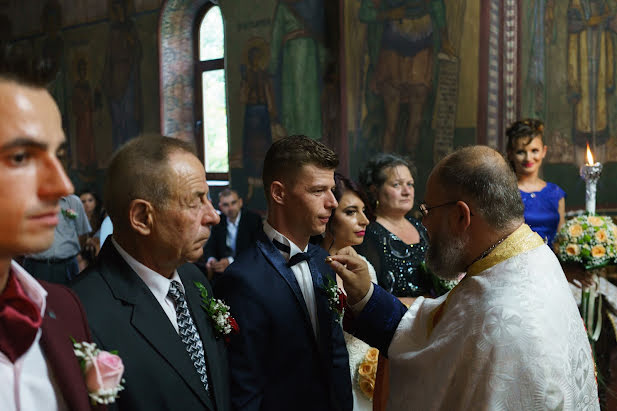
69, 213
102, 370
224, 323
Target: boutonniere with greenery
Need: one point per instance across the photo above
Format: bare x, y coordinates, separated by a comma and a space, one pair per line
224, 323
69, 213
337, 300
102, 371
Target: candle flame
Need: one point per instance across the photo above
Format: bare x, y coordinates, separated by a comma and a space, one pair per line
589, 156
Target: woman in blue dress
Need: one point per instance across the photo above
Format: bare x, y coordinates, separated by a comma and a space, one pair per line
544, 202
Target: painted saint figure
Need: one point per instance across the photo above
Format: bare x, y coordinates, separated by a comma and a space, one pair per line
257, 96
591, 72
297, 63
83, 109
540, 17
121, 75
53, 49
407, 33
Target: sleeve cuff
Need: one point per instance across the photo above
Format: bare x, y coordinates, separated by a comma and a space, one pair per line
359, 306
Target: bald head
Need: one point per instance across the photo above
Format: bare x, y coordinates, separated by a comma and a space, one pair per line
480, 176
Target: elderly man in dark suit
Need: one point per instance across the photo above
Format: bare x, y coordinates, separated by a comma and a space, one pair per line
141, 297
38, 368
238, 230
290, 353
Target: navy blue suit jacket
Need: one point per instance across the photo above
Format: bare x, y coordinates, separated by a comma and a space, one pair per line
276, 362
378, 320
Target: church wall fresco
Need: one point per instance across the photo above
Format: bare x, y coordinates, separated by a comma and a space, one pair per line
451, 73
106, 82
568, 77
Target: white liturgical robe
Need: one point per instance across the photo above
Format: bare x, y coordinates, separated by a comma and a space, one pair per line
508, 337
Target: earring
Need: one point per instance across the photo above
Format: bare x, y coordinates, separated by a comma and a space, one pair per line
377, 204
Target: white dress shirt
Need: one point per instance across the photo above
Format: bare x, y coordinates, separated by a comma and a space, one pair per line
301, 271
232, 234
29, 384
158, 284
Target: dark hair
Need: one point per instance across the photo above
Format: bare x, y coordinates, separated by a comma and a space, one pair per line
140, 170
97, 214
227, 192
480, 175
343, 184
19, 65
528, 128
286, 157
374, 174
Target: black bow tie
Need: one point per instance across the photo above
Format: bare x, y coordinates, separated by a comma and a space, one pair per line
297, 258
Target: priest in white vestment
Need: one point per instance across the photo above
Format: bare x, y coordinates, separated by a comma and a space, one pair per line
509, 336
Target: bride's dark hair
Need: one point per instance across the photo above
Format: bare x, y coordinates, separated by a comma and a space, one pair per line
343, 184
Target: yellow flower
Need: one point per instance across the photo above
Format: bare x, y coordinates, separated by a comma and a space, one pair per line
615, 231
367, 386
575, 230
602, 236
595, 221
573, 249
367, 369
372, 355
598, 251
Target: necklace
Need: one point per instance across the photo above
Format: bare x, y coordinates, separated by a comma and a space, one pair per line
487, 251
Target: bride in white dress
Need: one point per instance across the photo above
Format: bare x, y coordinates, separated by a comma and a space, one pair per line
346, 228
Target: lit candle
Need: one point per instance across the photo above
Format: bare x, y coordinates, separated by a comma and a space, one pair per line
590, 172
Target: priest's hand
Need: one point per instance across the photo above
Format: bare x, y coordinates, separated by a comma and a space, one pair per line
354, 273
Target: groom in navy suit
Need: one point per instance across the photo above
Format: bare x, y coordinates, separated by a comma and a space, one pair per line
290, 353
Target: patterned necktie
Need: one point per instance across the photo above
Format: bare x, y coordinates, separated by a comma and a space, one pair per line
188, 332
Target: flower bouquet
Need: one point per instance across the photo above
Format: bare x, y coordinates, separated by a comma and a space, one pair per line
590, 240
367, 371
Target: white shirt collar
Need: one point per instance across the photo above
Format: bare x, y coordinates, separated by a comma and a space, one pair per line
31, 287
157, 283
235, 223
271, 233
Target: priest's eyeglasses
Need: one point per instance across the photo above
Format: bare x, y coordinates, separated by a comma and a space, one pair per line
424, 209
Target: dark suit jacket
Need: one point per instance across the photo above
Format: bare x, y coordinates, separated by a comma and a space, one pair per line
249, 230
276, 363
65, 318
378, 320
125, 316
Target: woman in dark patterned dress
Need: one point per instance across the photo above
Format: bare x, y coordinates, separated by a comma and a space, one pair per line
395, 243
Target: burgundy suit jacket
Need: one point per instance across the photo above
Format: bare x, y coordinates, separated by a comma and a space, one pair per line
65, 318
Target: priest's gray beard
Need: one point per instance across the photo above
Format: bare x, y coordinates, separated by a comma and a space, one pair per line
445, 255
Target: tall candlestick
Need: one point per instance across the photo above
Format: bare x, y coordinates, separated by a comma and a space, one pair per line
590, 172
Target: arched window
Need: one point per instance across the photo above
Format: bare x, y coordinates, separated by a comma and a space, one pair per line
210, 98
